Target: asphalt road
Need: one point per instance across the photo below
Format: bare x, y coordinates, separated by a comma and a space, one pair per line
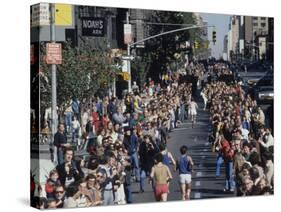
204, 183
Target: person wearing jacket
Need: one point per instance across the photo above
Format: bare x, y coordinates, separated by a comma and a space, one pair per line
228, 154
68, 171
131, 145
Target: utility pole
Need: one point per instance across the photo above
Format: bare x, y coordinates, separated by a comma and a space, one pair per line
129, 61
54, 77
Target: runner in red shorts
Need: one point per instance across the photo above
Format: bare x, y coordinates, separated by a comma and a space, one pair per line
161, 175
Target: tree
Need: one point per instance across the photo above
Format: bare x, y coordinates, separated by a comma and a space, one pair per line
162, 49
140, 68
82, 72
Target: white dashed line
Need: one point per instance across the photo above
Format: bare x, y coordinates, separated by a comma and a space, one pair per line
197, 195
205, 150
207, 143
199, 174
203, 156
197, 183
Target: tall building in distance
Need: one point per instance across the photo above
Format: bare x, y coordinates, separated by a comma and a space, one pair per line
225, 43
233, 46
260, 25
270, 39
249, 38
205, 31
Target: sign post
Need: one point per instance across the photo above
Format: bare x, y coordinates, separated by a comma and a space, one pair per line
54, 71
128, 38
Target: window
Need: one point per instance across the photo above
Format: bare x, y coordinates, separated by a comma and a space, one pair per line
263, 24
255, 24
263, 18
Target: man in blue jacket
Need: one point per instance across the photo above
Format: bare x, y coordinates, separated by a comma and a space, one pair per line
131, 145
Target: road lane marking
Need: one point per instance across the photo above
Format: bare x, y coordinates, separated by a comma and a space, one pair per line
205, 150
195, 139
197, 183
199, 174
178, 129
197, 195
203, 156
207, 143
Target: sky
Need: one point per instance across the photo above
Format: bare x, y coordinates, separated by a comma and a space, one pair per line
221, 25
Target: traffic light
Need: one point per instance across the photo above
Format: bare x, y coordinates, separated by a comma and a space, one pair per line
196, 44
214, 37
126, 76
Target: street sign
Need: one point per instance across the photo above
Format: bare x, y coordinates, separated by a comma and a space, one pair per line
53, 53
126, 57
63, 15
40, 14
128, 38
93, 27
124, 66
116, 53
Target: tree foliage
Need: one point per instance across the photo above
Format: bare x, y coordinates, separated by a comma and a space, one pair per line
82, 72
161, 50
140, 68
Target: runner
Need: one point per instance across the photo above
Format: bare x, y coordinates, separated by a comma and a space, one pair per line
185, 165
193, 111
168, 158
161, 175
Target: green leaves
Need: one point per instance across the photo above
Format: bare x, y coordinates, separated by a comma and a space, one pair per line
81, 73
162, 49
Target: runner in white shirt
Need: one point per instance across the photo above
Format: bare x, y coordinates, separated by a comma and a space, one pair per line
193, 110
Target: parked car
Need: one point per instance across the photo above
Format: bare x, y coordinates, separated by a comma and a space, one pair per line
263, 90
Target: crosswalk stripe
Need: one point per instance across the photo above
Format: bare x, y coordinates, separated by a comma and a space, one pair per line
197, 183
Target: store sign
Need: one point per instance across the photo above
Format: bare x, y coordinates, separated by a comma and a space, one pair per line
93, 27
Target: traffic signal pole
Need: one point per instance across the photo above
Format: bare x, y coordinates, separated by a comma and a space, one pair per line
151, 37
